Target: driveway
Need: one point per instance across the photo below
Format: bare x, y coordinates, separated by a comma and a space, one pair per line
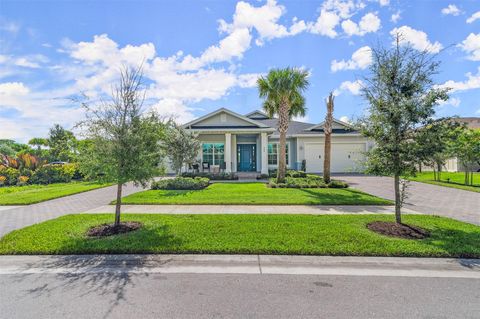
424, 198
16, 217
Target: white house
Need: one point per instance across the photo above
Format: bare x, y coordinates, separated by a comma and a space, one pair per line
249, 143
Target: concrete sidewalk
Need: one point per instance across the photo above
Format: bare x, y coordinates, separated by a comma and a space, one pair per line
242, 264
250, 209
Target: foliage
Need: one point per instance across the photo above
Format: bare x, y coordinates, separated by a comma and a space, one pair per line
310, 181
11, 148
3, 180
282, 91
466, 147
180, 146
337, 184
289, 173
62, 144
49, 174
340, 235
186, 183
222, 176
124, 141
11, 175
22, 180
402, 96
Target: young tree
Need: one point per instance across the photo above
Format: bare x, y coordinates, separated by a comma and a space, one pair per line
466, 147
181, 146
123, 142
282, 91
327, 130
402, 96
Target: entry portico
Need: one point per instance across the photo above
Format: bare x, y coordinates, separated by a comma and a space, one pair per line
238, 141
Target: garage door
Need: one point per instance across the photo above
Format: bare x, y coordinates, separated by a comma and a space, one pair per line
346, 157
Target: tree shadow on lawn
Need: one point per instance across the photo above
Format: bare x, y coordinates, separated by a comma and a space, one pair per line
106, 276
349, 197
457, 243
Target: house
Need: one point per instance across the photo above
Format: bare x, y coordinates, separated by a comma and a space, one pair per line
249, 143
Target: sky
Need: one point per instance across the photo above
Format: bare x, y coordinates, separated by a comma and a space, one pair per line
199, 56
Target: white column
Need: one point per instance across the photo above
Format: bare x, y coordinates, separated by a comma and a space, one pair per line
228, 152
234, 153
264, 153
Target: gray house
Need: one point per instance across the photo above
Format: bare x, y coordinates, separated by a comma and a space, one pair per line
249, 143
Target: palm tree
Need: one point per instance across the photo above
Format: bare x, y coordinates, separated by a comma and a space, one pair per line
327, 129
282, 92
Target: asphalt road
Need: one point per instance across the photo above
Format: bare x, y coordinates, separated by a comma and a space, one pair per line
153, 295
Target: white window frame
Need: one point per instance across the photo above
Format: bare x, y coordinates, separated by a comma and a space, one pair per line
289, 157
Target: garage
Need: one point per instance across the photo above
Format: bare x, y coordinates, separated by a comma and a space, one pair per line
346, 157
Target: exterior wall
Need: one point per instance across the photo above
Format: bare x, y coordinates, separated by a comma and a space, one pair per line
223, 119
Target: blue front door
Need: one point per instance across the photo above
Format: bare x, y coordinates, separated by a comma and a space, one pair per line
246, 158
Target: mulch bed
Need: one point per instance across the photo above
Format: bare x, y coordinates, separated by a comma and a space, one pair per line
398, 230
110, 229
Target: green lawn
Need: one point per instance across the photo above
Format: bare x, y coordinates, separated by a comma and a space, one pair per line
30, 194
457, 180
255, 194
246, 234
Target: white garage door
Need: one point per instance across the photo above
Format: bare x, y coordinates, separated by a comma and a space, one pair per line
346, 157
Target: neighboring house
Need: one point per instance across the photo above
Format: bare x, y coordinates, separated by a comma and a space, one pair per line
249, 143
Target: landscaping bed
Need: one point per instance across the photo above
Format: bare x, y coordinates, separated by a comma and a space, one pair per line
341, 235
31, 194
449, 179
254, 194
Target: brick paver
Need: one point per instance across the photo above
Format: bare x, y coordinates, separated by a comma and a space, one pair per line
424, 198
22, 216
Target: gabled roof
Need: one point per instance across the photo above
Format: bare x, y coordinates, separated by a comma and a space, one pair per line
320, 125
224, 110
257, 115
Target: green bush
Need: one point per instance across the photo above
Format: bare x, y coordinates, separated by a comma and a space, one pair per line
49, 174
289, 173
212, 176
11, 175
185, 183
337, 184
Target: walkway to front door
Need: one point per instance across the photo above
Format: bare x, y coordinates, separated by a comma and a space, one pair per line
246, 158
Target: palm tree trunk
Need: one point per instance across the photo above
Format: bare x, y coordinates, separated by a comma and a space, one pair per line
282, 128
327, 129
118, 204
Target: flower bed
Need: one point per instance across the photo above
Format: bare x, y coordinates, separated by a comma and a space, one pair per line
181, 183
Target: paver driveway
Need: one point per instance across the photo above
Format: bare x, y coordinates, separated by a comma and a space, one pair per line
424, 198
21, 216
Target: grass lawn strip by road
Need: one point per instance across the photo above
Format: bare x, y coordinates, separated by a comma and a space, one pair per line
31, 194
246, 234
255, 194
457, 180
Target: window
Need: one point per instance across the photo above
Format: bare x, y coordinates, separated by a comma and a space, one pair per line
273, 151
213, 153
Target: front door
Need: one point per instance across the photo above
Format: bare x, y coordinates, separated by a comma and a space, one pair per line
246, 158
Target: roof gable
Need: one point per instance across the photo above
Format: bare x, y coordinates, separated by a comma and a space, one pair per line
257, 115
337, 124
224, 118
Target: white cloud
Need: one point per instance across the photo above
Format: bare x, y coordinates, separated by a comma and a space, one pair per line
451, 9
354, 87
248, 80
343, 8
361, 59
416, 38
33, 61
369, 23
9, 26
325, 24
454, 101
384, 2
472, 82
474, 17
175, 109
345, 119
396, 17
471, 45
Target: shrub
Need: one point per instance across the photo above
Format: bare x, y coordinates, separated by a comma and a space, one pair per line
337, 184
22, 180
263, 176
185, 183
212, 176
53, 174
11, 175
289, 173
3, 180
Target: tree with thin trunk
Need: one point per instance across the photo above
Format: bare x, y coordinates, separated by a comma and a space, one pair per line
402, 97
181, 146
282, 91
123, 141
327, 130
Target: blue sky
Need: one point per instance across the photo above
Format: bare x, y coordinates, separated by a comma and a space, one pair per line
202, 55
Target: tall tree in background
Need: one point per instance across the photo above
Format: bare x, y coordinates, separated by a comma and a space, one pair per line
123, 142
62, 144
402, 96
327, 130
466, 147
282, 91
